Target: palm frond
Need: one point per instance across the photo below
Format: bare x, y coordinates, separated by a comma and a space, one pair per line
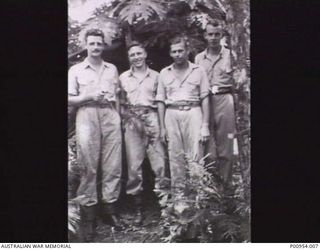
137, 10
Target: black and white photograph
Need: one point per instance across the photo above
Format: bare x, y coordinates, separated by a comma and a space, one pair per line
135, 121
159, 121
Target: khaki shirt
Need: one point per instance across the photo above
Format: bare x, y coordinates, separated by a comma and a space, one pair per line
140, 91
218, 70
193, 86
83, 77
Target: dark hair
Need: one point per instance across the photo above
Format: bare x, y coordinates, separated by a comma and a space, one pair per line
215, 24
94, 32
180, 39
134, 44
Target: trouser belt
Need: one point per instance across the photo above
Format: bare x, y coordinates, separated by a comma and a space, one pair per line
223, 93
141, 109
224, 90
100, 105
183, 106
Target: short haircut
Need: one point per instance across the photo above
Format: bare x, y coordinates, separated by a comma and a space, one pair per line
134, 44
180, 39
94, 32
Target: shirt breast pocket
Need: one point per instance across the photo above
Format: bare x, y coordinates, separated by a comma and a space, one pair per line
222, 69
107, 84
192, 83
150, 90
130, 88
107, 80
150, 85
85, 84
84, 80
169, 86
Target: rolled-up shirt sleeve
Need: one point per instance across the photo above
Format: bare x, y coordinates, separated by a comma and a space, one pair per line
72, 82
161, 92
204, 84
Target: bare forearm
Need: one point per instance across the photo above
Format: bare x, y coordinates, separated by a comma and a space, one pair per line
77, 100
205, 110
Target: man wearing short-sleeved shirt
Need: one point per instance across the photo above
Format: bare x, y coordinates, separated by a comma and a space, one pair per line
142, 131
216, 60
183, 110
92, 87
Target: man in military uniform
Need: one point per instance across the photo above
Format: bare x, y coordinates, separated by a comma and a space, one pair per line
183, 110
141, 122
216, 60
92, 86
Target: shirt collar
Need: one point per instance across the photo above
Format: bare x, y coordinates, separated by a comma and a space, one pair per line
131, 72
207, 56
191, 66
87, 64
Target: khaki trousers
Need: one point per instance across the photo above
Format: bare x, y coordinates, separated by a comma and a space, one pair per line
98, 135
141, 144
222, 130
183, 130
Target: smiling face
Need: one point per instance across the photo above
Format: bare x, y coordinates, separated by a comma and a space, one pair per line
179, 53
94, 46
213, 35
137, 56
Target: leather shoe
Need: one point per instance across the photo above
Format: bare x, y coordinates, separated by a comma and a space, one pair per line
115, 222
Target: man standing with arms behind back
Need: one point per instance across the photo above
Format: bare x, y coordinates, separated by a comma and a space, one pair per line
216, 60
92, 86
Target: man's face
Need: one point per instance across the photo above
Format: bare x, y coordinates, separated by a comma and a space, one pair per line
213, 35
95, 46
179, 53
137, 56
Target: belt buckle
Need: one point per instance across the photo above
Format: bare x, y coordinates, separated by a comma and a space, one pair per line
215, 90
186, 107
180, 107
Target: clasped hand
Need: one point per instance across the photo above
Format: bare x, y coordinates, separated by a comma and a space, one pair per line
97, 96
